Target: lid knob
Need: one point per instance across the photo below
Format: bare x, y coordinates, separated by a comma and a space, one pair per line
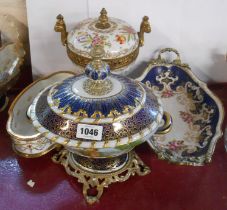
97, 69
103, 20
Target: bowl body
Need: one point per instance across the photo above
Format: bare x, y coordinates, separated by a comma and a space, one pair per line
120, 40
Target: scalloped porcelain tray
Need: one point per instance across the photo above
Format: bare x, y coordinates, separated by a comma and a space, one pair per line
196, 112
26, 140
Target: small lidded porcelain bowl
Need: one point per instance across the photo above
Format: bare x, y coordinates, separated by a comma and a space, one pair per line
121, 42
98, 114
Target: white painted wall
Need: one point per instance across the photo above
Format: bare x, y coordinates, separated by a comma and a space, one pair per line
196, 28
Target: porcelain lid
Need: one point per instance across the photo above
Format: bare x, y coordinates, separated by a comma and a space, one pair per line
118, 37
126, 110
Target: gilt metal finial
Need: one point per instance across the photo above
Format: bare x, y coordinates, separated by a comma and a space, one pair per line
103, 22
97, 72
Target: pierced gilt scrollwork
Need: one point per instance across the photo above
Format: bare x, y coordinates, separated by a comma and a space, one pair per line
96, 182
114, 63
98, 88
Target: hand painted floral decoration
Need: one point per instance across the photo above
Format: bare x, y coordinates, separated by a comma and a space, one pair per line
120, 39
129, 32
89, 40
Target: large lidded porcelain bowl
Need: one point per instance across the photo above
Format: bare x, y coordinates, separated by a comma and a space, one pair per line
98, 114
120, 41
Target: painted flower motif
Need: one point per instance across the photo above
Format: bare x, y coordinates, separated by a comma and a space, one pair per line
88, 40
98, 40
176, 145
167, 94
187, 117
121, 39
39, 145
129, 32
84, 37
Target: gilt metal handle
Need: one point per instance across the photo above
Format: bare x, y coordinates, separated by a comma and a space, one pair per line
61, 27
145, 27
169, 50
168, 122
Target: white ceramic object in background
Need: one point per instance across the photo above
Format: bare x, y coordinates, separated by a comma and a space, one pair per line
11, 57
10, 61
26, 140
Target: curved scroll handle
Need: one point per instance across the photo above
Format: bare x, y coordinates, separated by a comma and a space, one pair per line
178, 60
168, 123
61, 27
145, 27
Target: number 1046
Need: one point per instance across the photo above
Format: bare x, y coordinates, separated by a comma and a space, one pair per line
91, 131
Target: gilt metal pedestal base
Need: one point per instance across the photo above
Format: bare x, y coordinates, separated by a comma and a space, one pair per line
94, 181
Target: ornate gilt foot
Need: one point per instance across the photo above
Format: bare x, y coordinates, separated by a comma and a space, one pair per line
95, 182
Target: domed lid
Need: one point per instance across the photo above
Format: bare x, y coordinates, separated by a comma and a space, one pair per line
118, 37
123, 110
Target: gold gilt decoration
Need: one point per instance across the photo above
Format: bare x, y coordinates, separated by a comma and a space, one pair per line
61, 27
103, 20
144, 28
113, 114
97, 88
81, 114
128, 109
101, 86
97, 115
115, 63
99, 181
